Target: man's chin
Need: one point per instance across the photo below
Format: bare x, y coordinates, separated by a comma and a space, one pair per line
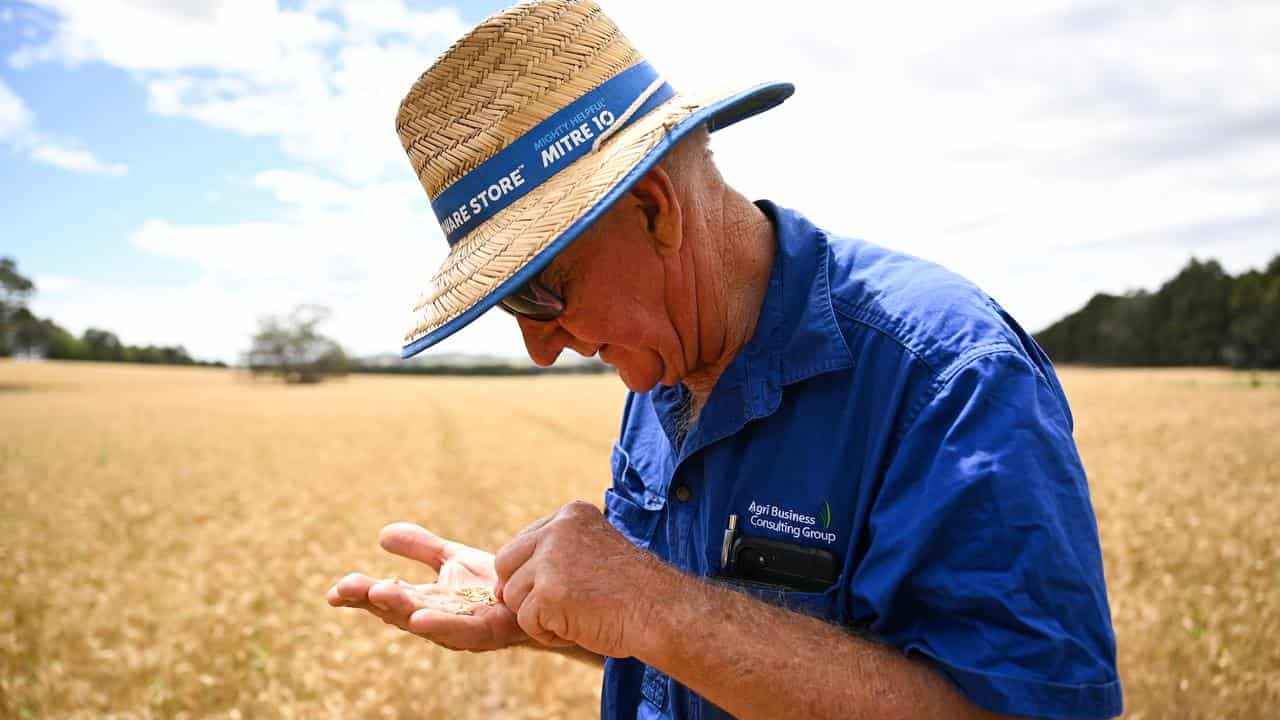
638, 382
636, 386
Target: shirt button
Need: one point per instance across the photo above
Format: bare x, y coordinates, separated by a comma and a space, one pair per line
683, 494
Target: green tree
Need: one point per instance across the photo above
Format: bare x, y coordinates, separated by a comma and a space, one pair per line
1193, 316
1203, 316
293, 348
23, 332
15, 290
1255, 319
1108, 330
26, 332
60, 344
102, 345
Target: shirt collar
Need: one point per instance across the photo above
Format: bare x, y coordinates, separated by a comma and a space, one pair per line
796, 337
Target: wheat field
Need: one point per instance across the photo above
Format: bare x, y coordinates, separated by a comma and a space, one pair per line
167, 536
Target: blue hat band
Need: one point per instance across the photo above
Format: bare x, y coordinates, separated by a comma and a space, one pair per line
545, 149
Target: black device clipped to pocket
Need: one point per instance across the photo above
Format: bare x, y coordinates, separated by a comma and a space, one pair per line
773, 563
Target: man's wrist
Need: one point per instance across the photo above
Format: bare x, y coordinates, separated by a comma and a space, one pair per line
661, 603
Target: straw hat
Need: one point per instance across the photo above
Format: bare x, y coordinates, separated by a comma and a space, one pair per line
524, 132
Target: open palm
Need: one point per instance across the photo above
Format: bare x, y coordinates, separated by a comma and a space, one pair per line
430, 609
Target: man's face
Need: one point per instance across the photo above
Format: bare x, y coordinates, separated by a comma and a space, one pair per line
617, 290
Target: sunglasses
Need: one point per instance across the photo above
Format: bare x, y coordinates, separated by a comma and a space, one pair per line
535, 301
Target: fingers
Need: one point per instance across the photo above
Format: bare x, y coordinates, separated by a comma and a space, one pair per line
517, 588
516, 599
455, 632
490, 628
388, 617
511, 557
530, 622
350, 590
516, 552
537, 524
417, 543
386, 595
384, 598
353, 591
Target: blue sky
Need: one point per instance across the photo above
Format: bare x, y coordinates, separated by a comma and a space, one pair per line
171, 171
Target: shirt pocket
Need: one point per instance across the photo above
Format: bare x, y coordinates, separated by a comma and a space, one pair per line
823, 605
624, 503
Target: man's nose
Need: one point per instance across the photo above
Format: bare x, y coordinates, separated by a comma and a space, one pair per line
544, 341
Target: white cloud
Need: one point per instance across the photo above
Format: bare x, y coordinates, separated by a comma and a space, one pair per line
234, 36
54, 283
361, 250
324, 80
15, 118
17, 129
73, 159
1046, 150
1011, 141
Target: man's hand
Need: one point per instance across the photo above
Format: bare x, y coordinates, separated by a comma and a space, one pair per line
424, 610
571, 578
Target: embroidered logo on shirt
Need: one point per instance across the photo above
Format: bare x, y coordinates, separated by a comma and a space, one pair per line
824, 514
786, 521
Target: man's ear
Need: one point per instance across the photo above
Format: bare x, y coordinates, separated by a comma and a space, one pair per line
660, 212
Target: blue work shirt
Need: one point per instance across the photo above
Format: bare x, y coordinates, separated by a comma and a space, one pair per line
888, 411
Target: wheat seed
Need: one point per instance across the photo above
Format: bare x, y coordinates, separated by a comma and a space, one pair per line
462, 601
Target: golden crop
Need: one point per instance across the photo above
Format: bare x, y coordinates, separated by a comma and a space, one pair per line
167, 536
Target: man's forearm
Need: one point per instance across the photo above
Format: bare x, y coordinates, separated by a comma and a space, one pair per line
758, 661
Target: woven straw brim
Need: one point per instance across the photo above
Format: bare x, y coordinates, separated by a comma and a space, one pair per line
492, 253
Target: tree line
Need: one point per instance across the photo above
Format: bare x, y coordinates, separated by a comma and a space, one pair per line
23, 333
1203, 316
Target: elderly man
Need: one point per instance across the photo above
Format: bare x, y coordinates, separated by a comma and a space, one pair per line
845, 483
